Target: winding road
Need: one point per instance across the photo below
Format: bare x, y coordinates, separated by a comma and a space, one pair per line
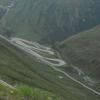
31, 47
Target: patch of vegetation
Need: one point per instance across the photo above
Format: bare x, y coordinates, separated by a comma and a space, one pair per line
25, 93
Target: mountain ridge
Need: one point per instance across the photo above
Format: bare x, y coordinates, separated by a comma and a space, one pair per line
51, 20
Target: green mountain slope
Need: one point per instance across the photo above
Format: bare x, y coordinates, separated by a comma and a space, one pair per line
82, 50
17, 66
51, 20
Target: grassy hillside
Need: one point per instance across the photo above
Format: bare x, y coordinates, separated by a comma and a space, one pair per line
83, 51
25, 93
51, 20
18, 67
